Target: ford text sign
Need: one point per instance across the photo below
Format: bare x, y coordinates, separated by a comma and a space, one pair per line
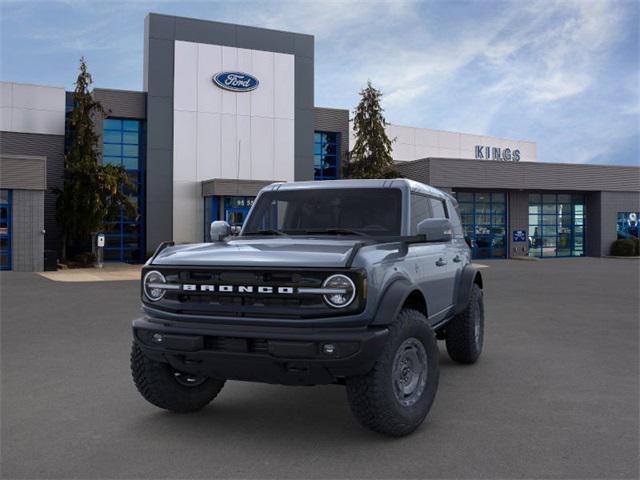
236, 81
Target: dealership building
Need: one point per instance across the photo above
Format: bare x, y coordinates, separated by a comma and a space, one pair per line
227, 109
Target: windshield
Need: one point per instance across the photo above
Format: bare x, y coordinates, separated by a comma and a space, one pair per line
338, 211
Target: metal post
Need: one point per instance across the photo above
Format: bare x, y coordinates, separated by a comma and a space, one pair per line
100, 250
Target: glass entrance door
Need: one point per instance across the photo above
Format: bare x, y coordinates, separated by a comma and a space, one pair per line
236, 216
556, 225
236, 210
5, 229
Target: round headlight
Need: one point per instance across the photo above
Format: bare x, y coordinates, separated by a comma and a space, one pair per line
150, 285
342, 293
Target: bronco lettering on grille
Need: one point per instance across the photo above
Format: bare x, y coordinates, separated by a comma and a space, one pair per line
192, 287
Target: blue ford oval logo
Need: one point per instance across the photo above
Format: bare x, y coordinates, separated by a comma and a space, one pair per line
236, 81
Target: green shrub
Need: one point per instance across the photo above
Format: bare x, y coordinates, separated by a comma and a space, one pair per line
624, 248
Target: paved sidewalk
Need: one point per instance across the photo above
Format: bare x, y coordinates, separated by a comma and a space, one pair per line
110, 273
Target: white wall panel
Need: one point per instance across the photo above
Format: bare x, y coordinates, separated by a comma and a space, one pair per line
244, 133
32, 108
184, 145
209, 63
469, 142
5, 119
36, 97
228, 135
283, 149
262, 148
185, 82
404, 151
208, 148
284, 89
401, 134
449, 141
188, 212
229, 62
228, 147
6, 94
425, 151
528, 151
416, 143
426, 137
245, 64
36, 121
262, 97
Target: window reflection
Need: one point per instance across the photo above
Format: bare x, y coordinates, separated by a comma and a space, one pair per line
123, 146
326, 158
483, 216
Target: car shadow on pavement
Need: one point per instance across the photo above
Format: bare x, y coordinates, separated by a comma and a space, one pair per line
244, 409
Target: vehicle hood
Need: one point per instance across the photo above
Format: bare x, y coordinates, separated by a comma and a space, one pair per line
261, 252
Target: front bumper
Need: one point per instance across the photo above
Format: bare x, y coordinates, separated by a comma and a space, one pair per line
290, 356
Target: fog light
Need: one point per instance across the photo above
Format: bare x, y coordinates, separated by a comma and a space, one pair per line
329, 348
157, 338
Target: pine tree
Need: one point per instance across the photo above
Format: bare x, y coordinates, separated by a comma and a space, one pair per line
371, 154
91, 192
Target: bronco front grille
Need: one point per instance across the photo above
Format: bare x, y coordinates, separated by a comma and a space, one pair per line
282, 300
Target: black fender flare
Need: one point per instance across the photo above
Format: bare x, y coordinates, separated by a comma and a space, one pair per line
392, 300
470, 275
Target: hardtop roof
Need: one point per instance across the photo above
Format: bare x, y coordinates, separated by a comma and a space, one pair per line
401, 183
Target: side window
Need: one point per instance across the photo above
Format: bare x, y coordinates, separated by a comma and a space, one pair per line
438, 208
420, 209
454, 216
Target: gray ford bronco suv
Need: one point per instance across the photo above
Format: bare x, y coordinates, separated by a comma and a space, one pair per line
347, 281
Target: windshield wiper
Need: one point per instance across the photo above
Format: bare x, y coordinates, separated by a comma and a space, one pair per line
336, 231
265, 232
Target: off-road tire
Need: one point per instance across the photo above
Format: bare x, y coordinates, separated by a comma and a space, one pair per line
372, 398
156, 382
464, 342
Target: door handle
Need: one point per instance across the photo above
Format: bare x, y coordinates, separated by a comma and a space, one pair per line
457, 259
441, 262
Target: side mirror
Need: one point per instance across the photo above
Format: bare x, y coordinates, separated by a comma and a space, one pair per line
219, 230
435, 229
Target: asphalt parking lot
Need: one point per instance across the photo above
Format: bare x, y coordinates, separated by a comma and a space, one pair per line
555, 394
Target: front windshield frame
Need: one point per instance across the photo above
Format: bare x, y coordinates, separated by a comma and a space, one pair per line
375, 212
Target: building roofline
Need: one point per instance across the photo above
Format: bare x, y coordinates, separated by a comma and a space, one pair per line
568, 164
461, 133
227, 23
117, 90
332, 108
29, 84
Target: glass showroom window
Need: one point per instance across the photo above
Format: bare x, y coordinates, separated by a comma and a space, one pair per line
627, 225
484, 220
326, 156
123, 145
556, 225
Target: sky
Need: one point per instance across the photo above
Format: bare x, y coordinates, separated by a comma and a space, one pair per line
565, 74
